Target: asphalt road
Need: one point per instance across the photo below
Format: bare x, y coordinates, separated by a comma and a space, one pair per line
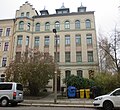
43, 108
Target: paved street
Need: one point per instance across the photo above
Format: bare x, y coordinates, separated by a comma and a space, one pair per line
43, 108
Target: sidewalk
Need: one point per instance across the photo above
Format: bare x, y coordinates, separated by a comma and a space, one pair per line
62, 102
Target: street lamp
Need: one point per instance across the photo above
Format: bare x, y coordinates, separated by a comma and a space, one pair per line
55, 83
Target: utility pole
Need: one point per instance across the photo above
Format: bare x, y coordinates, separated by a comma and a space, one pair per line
55, 82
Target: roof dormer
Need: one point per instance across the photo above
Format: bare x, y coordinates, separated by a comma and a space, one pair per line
44, 12
81, 8
62, 10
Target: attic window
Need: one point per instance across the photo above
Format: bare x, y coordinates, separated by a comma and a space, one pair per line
22, 14
27, 14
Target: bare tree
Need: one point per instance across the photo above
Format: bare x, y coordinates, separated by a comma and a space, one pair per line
109, 52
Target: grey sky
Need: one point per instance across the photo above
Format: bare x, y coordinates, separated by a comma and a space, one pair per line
106, 11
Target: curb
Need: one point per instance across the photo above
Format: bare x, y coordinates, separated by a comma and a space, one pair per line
57, 105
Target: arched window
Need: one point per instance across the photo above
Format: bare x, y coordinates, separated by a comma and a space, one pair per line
80, 73
47, 26
67, 73
88, 23
77, 24
57, 25
21, 25
67, 25
37, 27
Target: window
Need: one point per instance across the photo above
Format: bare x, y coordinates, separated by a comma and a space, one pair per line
57, 25
58, 56
67, 25
78, 57
80, 73
36, 42
88, 23
27, 14
67, 40
28, 27
90, 56
4, 61
77, 24
47, 26
1, 30
78, 39
67, 56
5, 86
7, 31
27, 41
22, 14
91, 74
58, 40
19, 40
6, 46
89, 39
37, 27
47, 40
116, 93
67, 74
19, 87
21, 25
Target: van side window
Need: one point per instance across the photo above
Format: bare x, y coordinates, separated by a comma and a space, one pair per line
5, 86
19, 87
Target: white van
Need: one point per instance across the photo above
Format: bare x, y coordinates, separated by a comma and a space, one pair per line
10, 92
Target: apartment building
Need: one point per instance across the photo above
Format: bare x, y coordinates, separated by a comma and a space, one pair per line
76, 36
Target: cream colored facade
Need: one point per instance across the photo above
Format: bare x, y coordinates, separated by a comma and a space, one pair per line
84, 47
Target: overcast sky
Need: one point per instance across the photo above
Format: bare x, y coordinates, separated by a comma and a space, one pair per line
106, 11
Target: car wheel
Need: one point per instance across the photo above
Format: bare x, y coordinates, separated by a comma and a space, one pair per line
4, 102
107, 105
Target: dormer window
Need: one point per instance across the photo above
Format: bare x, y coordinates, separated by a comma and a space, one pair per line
27, 14
22, 14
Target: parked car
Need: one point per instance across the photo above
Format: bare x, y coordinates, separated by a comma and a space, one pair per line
10, 92
108, 101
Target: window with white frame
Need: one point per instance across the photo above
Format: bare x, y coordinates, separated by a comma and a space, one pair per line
36, 41
8, 32
77, 24
67, 56
19, 40
89, 39
4, 61
88, 23
47, 26
21, 25
37, 27
6, 46
90, 56
47, 40
67, 25
57, 25
67, 40
78, 56
78, 39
